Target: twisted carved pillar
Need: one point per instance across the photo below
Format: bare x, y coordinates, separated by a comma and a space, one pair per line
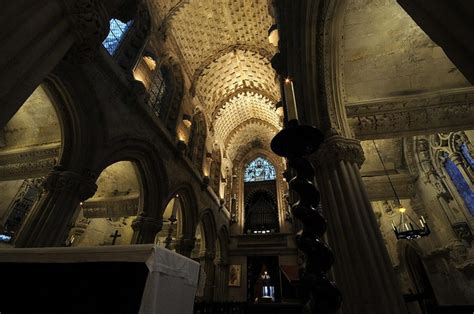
49, 222
36, 35
362, 268
145, 229
295, 142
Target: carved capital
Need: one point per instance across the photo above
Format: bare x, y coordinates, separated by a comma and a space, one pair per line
185, 246
70, 182
336, 148
142, 223
90, 24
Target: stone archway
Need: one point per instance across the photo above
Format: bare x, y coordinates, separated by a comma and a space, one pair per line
30, 146
106, 218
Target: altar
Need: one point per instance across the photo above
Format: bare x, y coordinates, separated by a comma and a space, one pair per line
107, 279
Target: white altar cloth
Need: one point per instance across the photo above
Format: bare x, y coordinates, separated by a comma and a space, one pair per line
171, 283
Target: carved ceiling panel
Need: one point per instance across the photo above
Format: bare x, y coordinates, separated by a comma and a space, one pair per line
250, 134
236, 70
244, 107
204, 27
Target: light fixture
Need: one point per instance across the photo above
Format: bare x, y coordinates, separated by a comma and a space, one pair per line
273, 36
187, 120
406, 228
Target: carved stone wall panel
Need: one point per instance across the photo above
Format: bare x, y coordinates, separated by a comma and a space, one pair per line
28, 163
412, 115
111, 207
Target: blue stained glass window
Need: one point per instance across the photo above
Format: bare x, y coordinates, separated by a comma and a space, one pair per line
461, 185
259, 169
117, 32
467, 155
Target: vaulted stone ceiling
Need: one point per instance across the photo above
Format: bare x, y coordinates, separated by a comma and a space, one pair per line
224, 44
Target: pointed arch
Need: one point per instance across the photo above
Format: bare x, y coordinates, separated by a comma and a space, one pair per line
154, 178
189, 211
173, 77
208, 222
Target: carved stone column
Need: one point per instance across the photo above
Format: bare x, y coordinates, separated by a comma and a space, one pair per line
50, 219
362, 267
185, 246
207, 263
145, 229
36, 35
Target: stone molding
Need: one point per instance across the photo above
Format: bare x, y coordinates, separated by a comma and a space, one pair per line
147, 222
336, 148
28, 162
108, 207
426, 113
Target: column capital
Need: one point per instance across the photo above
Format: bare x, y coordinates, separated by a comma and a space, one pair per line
142, 221
68, 181
89, 22
335, 148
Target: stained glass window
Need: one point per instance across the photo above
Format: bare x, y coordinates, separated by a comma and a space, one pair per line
259, 169
467, 155
116, 34
460, 183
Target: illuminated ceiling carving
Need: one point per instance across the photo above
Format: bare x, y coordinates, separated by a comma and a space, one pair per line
227, 55
244, 107
249, 135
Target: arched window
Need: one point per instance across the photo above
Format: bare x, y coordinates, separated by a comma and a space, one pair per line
459, 182
467, 155
260, 169
157, 91
116, 34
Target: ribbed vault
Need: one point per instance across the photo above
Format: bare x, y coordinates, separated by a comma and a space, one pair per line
204, 27
235, 70
250, 134
224, 44
243, 107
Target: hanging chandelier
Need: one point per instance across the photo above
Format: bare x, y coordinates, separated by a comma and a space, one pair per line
406, 228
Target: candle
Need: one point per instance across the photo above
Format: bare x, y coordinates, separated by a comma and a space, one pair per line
175, 207
291, 111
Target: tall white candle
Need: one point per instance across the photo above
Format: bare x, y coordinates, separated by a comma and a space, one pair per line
175, 206
290, 100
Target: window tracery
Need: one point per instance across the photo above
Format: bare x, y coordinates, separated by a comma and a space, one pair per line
260, 169
117, 33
